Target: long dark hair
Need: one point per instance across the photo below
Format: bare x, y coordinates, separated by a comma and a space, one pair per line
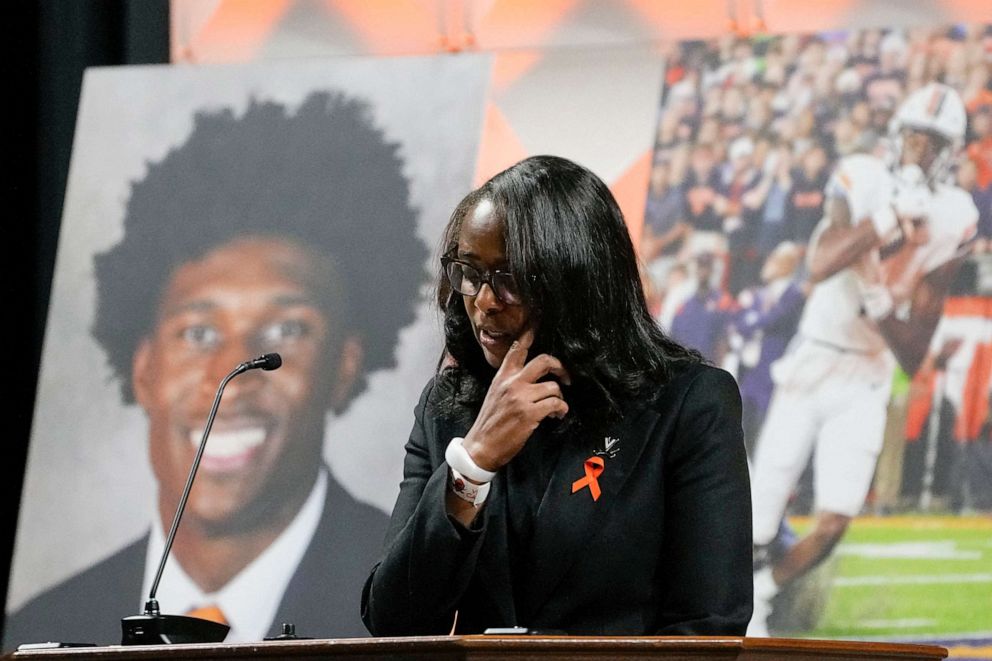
569, 250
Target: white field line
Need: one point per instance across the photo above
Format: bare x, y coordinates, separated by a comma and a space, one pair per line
941, 550
857, 581
904, 623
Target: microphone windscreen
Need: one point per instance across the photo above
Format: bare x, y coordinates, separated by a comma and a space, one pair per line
271, 361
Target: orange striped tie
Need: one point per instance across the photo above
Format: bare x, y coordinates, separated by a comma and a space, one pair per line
212, 613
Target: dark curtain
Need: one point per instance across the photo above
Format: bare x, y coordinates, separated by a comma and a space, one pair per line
50, 43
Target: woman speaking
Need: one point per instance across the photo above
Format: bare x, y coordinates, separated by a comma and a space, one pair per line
570, 468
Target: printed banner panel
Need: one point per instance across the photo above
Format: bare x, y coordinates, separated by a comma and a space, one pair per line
212, 215
819, 223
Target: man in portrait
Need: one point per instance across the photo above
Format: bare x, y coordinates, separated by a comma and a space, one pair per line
275, 230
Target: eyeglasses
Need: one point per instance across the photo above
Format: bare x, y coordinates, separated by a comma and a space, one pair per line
467, 280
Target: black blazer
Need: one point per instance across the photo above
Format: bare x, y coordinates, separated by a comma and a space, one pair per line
322, 597
665, 550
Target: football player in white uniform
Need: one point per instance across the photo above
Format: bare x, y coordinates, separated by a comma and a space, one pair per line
882, 259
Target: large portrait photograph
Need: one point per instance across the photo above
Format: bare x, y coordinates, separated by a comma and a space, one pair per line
818, 223
214, 215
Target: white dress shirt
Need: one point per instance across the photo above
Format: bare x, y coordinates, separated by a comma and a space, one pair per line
250, 599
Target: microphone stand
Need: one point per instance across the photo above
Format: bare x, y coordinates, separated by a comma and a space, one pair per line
152, 627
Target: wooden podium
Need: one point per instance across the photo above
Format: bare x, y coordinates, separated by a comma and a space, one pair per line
490, 648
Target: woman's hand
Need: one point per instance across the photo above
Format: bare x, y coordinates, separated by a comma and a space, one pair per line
515, 405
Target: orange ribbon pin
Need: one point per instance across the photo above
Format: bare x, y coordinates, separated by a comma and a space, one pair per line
594, 468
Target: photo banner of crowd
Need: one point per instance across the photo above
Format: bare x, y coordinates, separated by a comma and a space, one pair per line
819, 223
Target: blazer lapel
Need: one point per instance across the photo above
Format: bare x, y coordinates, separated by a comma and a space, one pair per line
566, 521
494, 561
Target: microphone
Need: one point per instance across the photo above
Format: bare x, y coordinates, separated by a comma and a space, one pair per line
151, 627
267, 362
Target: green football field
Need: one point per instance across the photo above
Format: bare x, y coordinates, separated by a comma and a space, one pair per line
904, 578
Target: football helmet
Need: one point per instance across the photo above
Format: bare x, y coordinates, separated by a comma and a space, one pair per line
936, 109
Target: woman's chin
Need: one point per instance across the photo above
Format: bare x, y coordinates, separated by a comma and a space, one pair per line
494, 358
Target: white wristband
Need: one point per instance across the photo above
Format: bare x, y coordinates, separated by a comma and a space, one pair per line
460, 460
884, 219
466, 490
